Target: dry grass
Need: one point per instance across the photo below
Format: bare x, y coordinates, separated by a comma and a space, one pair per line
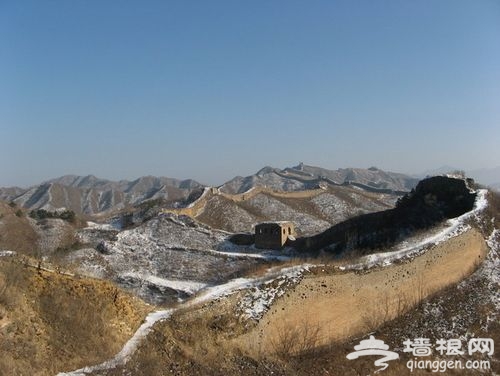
191, 342
204, 341
52, 322
390, 306
16, 233
292, 340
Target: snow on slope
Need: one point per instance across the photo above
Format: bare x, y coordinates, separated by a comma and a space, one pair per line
4, 253
260, 297
333, 207
490, 270
148, 259
209, 293
189, 287
127, 350
222, 213
264, 290
312, 212
367, 206
414, 246
253, 253
103, 226
271, 207
306, 177
472, 309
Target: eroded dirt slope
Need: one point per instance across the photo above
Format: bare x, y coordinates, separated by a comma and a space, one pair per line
50, 322
342, 305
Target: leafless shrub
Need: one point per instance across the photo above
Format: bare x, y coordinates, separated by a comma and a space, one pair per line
388, 308
403, 305
378, 314
420, 289
292, 340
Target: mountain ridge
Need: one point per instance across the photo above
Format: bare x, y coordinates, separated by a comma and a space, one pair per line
90, 195
303, 177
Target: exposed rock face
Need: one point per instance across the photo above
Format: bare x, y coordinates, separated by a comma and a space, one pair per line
433, 200
442, 197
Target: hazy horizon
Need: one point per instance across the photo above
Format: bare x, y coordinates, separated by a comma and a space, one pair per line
211, 90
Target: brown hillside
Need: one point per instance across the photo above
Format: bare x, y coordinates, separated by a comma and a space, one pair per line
311, 210
16, 233
51, 322
324, 308
343, 305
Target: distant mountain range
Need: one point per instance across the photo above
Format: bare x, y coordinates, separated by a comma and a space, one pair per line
93, 196
306, 177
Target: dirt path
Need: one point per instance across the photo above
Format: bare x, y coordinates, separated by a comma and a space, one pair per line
335, 306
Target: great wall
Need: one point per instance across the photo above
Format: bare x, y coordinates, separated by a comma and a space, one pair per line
197, 206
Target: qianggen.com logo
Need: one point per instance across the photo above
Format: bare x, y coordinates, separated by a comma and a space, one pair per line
422, 348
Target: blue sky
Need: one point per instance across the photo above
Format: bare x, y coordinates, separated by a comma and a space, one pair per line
212, 89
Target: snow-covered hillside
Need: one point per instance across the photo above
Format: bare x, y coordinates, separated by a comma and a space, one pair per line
163, 260
259, 292
90, 195
310, 213
304, 177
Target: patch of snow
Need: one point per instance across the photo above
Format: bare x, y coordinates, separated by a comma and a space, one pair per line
6, 253
122, 357
494, 261
209, 293
172, 219
244, 283
260, 298
333, 207
258, 254
248, 191
225, 289
271, 207
490, 270
100, 226
205, 191
189, 287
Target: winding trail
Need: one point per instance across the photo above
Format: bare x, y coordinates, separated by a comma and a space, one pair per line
205, 295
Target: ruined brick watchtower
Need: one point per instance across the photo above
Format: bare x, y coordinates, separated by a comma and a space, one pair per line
273, 235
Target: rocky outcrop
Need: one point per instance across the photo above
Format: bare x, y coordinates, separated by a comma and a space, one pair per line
432, 201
